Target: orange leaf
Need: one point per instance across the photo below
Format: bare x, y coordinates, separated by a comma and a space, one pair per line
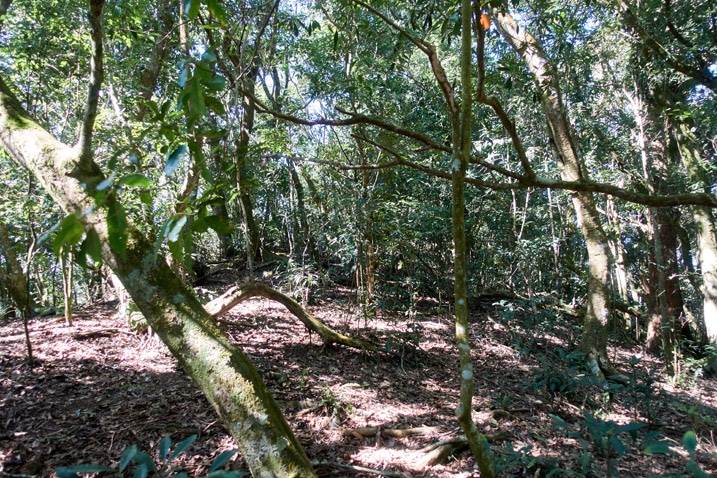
485, 21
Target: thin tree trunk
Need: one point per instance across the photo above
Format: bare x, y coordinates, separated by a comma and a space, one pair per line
242, 169
66, 267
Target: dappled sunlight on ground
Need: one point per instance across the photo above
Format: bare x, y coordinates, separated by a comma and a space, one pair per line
99, 388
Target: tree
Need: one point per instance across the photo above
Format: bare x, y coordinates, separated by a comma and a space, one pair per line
225, 375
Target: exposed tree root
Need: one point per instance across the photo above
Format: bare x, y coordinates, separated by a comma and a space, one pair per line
439, 452
370, 432
240, 293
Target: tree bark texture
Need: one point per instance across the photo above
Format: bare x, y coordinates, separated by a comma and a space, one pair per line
706, 236
223, 373
595, 331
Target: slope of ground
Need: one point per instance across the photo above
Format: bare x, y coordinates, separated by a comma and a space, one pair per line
98, 387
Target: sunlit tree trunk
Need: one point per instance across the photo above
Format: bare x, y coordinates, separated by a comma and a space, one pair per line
599, 310
223, 373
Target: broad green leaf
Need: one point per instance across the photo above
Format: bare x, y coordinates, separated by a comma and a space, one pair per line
197, 106
182, 447
217, 10
163, 447
143, 459
696, 471
140, 471
70, 233
176, 248
146, 198
659, 448
117, 228
222, 459
183, 76
91, 247
629, 427
689, 441
216, 83
127, 456
192, 9
219, 224
135, 179
214, 105
176, 229
174, 158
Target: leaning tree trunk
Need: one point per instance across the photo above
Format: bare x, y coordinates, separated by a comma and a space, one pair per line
595, 331
223, 373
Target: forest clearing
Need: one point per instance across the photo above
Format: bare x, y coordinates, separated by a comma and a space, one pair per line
358, 237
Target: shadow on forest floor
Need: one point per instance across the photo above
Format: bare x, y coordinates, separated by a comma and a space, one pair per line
98, 388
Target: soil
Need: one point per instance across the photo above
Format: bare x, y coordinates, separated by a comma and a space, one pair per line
98, 387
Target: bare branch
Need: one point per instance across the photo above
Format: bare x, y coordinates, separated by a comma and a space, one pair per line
84, 143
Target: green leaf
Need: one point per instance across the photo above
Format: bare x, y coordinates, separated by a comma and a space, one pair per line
163, 447
182, 447
659, 448
127, 456
219, 224
176, 248
71, 230
176, 229
146, 198
135, 179
192, 9
174, 158
197, 106
696, 470
216, 83
689, 441
217, 10
91, 247
222, 459
143, 459
140, 471
117, 228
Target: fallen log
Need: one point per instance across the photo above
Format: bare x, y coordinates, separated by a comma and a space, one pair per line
240, 293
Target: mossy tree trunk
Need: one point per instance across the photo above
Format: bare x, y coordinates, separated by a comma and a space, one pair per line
595, 330
223, 373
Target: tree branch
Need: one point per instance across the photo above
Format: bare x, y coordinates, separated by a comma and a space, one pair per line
493, 101
84, 143
698, 71
522, 181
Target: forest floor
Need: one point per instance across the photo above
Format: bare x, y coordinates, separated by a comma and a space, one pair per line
97, 388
